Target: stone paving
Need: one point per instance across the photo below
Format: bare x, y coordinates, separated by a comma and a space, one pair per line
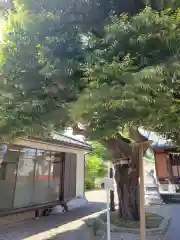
70, 226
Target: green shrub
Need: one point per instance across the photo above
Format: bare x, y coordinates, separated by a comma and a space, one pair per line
95, 167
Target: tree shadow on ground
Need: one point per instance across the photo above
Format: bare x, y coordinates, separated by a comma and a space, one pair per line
66, 226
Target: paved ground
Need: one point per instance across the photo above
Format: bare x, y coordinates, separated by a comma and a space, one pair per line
174, 228
70, 226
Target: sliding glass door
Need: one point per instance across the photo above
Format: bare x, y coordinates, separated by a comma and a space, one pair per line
25, 178
8, 172
30, 177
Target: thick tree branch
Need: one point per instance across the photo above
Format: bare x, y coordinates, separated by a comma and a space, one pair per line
120, 147
136, 135
78, 129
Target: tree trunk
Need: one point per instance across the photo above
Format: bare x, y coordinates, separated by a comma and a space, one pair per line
127, 190
127, 176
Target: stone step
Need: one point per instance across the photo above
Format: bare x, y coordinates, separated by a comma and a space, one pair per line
152, 195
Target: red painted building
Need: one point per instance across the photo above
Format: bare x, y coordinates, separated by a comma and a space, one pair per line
167, 163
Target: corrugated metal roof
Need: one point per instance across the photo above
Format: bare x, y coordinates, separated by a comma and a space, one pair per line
63, 141
70, 140
156, 145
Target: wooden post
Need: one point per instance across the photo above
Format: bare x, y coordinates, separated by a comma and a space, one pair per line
142, 193
142, 146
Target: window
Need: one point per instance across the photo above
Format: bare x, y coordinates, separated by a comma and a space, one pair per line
8, 168
54, 182
25, 178
38, 178
175, 171
29, 177
175, 164
41, 185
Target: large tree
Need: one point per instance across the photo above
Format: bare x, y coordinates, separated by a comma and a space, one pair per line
41, 48
132, 77
128, 78
40, 52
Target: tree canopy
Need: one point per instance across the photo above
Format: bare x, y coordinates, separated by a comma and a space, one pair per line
39, 58
55, 71
40, 53
66, 63
132, 75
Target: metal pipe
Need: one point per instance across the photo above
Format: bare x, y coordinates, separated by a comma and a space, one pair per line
112, 204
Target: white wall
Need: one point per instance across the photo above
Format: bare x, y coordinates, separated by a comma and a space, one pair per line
80, 174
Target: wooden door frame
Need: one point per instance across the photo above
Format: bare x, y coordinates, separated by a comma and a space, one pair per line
68, 186
61, 183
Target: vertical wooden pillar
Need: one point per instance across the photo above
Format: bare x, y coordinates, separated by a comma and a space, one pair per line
142, 146
142, 194
70, 176
169, 167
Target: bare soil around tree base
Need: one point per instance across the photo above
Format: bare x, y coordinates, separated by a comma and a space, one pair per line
152, 221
